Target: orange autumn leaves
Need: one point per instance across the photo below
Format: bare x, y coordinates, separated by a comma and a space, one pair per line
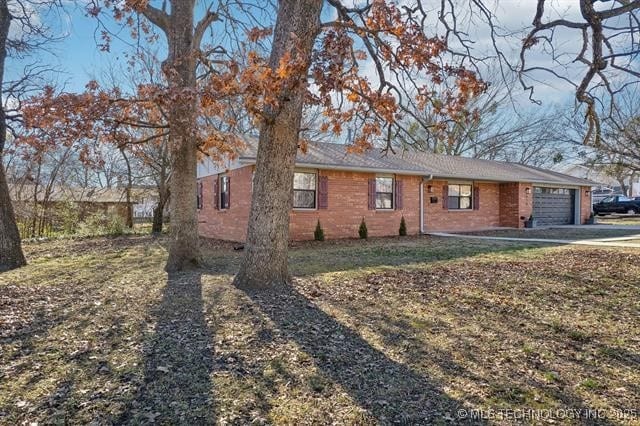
385, 37
107, 116
407, 63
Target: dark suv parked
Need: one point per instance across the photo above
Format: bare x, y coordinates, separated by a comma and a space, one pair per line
617, 204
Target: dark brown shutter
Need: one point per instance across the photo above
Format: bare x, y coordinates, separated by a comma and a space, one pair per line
323, 192
445, 197
228, 192
399, 185
476, 198
372, 194
216, 193
199, 202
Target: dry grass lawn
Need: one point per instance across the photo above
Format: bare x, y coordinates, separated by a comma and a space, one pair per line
408, 331
584, 233
618, 220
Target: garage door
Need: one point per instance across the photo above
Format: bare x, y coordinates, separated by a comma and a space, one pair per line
553, 206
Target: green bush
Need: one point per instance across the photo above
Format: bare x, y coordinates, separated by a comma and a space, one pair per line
93, 224
363, 232
69, 217
102, 224
403, 228
318, 234
115, 226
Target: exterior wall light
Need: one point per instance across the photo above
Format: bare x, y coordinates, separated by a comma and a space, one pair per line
527, 191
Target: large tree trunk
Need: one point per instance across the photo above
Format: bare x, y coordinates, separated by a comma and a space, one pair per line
183, 251
265, 261
11, 256
180, 68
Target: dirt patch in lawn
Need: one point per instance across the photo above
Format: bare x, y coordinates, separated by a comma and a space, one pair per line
413, 332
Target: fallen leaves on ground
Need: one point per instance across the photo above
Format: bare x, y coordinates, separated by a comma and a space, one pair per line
387, 331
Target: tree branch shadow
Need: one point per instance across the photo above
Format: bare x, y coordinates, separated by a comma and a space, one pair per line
178, 359
388, 390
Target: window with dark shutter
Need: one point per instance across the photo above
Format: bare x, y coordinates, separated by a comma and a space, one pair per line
372, 194
216, 193
323, 192
384, 193
476, 198
399, 185
224, 192
199, 196
445, 197
304, 190
459, 197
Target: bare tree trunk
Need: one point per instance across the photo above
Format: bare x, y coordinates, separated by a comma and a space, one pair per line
180, 67
158, 219
265, 261
129, 223
158, 212
623, 185
36, 206
11, 255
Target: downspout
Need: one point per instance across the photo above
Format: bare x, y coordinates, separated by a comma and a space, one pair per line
428, 178
421, 206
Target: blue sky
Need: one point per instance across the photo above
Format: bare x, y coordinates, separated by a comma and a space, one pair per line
79, 59
77, 56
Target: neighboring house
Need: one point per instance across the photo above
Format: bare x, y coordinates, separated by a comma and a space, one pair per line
433, 193
607, 185
146, 202
85, 200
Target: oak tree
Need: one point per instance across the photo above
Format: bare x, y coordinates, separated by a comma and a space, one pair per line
330, 54
175, 109
29, 34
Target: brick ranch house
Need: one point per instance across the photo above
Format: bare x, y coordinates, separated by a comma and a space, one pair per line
433, 193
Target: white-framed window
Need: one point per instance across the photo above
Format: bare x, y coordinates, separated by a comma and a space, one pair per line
305, 186
384, 193
225, 192
460, 196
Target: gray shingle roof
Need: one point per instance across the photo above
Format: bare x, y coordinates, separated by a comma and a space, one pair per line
335, 156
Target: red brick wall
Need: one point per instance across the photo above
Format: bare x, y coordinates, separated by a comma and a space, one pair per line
501, 204
513, 198
515, 204
228, 224
436, 218
348, 201
585, 203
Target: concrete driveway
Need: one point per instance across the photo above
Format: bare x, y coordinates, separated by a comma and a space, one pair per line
587, 235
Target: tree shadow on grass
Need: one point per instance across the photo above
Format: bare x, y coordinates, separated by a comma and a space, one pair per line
178, 359
312, 257
388, 390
